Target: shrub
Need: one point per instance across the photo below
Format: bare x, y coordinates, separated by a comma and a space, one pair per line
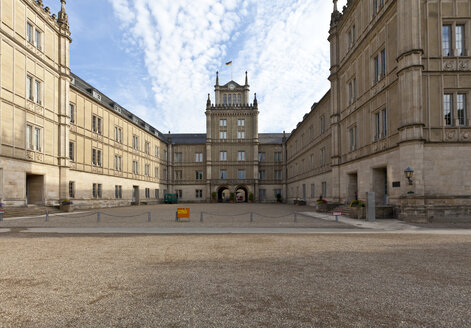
321, 201
251, 197
357, 203
278, 198
66, 202
213, 195
232, 196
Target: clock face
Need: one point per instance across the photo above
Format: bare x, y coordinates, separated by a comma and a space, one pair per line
231, 86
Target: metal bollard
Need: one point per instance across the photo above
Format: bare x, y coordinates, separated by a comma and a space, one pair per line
148, 217
201, 217
176, 216
47, 216
98, 217
251, 217
295, 218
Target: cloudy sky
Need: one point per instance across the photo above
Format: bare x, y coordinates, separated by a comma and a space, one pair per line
158, 58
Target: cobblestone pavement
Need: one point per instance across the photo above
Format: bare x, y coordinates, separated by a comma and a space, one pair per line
214, 215
356, 280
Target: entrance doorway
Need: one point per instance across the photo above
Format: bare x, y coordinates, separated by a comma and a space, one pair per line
135, 195
223, 194
352, 191
241, 195
34, 189
380, 185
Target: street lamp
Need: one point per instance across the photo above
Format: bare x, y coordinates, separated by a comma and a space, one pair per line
409, 173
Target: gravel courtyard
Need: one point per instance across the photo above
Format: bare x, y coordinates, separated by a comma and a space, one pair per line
235, 280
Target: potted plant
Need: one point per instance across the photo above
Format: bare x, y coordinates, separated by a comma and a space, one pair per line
213, 197
66, 205
278, 198
232, 197
358, 209
251, 197
321, 204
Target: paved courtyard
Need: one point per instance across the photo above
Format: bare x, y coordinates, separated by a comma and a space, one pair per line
321, 274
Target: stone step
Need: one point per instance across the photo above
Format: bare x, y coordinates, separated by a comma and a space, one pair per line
11, 212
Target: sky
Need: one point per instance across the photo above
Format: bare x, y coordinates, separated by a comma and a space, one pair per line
158, 58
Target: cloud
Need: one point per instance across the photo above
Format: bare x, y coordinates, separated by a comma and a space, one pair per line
283, 44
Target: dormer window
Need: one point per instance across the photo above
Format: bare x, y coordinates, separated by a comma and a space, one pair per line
96, 95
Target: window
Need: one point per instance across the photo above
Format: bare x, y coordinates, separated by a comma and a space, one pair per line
178, 174
262, 175
29, 33
96, 124
96, 157
223, 174
456, 46
135, 142
454, 114
118, 160
322, 123
199, 193
377, 5
224, 97
72, 113
241, 174
311, 166
460, 40
157, 193
352, 91
135, 167
277, 156
222, 122
262, 194
241, 122
71, 189
312, 191
241, 156
311, 132
33, 138
199, 175
33, 90
351, 37
278, 175
198, 157
156, 172
379, 63
323, 156
223, 156
147, 192
324, 189
179, 193
178, 157
353, 138
97, 190
38, 39
147, 147
147, 170
165, 154
240, 134
118, 192
118, 134
165, 174
96, 95
71, 151
157, 151
222, 134
261, 156
446, 41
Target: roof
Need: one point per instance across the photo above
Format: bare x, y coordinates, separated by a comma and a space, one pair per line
89, 90
271, 138
187, 138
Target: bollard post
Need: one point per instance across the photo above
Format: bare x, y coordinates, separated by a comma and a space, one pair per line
176, 216
47, 215
98, 217
295, 218
201, 217
251, 217
148, 216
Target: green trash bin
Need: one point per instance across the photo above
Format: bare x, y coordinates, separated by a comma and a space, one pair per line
170, 199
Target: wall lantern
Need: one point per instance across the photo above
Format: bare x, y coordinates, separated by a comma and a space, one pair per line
409, 173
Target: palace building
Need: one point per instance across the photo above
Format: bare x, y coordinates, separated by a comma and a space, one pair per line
395, 122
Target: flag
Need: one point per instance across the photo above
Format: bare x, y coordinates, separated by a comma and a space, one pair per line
229, 63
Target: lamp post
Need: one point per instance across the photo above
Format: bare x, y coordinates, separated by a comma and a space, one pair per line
409, 173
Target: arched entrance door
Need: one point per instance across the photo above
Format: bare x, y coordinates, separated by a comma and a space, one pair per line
241, 195
223, 194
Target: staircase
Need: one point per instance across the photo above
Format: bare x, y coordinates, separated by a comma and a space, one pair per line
31, 210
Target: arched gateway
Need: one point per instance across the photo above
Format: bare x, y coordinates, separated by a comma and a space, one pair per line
223, 194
